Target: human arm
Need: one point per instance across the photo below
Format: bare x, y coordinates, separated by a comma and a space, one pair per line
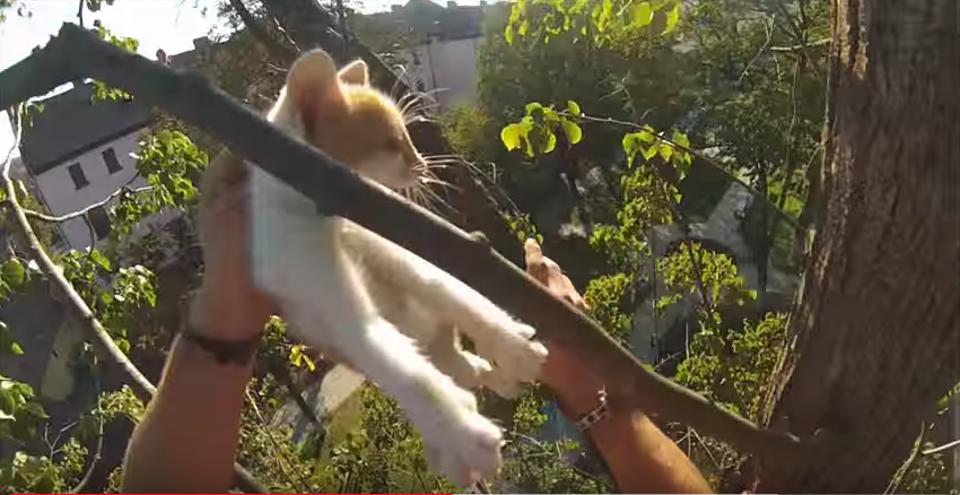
642, 459
188, 437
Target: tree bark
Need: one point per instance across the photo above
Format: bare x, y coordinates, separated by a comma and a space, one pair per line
876, 330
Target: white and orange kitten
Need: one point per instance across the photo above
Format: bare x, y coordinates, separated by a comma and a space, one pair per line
386, 312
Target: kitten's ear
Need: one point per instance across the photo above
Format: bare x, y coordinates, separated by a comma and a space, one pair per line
312, 82
355, 73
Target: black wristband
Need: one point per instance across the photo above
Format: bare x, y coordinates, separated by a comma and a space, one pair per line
239, 352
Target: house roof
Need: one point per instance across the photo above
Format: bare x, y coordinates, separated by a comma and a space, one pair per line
71, 124
424, 19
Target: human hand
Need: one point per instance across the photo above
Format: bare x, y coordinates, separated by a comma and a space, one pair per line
228, 306
565, 371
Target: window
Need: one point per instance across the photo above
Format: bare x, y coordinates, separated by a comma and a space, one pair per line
110, 158
100, 221
79, 179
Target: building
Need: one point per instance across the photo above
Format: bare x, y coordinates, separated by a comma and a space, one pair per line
436, 45
78, 152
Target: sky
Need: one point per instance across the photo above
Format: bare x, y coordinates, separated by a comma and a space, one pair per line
168, 24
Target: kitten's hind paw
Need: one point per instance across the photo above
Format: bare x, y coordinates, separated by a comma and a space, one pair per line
467, 451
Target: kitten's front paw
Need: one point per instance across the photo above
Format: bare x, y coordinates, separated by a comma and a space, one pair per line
465, 446
516, 358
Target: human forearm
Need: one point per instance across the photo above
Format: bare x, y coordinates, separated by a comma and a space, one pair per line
641, 458
188, 437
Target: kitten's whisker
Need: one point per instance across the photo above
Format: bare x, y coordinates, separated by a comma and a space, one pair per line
436, 197
406, 106
396, 84
439, 182
440, 155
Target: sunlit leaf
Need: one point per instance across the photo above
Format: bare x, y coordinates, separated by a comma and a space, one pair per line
100, 259
572, 130
666, 151
573, 107
13, 273
641, 14
650, 152
511, 136
673, 16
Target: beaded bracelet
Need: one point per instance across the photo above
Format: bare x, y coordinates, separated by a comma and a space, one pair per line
599, 413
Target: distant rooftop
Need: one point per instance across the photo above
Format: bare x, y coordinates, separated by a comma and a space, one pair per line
71, 123
424, 19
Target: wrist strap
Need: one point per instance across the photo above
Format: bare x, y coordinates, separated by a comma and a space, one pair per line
597, 414
238, 352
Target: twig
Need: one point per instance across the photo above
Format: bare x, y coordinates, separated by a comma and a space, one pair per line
80, 213
276, 48
282, 461
908, 464
802, 46
105, 346
769, 30
709, 161
337, 190
80, 12
97, 454
946, 446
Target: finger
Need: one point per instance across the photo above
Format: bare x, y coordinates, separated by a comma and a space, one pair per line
531, 252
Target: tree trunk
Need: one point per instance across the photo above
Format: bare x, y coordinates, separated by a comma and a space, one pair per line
877, 323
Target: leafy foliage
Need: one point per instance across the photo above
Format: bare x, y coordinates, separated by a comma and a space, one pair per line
536, 133
100, 90
717, 273
601, 22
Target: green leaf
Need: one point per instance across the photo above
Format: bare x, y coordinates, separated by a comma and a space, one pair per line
650, 152
681, 139
15, 349
532, 107
631, 146
641, 14
508, 34
666, 151
35, 409
673, 16
573, 108
100, 259
551, 143
13, 273
511, 136
572, 130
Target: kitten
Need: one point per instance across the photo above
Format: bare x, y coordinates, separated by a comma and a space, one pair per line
351, 292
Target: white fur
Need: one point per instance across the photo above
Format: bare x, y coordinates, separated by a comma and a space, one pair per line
347, 290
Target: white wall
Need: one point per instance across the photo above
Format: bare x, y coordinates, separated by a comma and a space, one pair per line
61, 195
450, 65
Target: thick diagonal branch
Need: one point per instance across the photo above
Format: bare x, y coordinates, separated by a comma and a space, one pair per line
339, 191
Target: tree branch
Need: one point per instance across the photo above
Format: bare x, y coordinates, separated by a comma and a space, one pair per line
36, 215
794, 48
946, 446
106, 348
93, 461
275, 47
339, 191
699, 155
